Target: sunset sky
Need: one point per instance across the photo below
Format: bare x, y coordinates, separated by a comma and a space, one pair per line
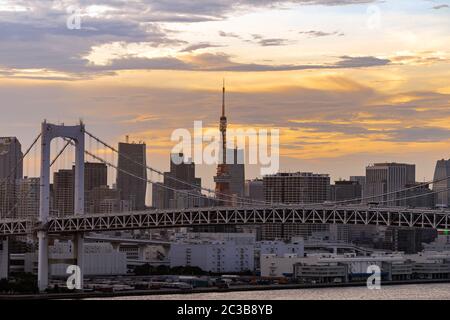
348, 83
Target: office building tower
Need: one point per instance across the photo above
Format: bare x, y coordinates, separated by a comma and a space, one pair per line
11, 169
11, 164
63, 192
383, 179
299, 187
236, 170
95, 175
28, 197
159, 196
361, 180
294, 188
132, 174
181, 188
442, 187
345, 190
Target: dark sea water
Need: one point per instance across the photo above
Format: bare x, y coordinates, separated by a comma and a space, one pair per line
399, 292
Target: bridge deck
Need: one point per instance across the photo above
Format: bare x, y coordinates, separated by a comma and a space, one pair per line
299, 214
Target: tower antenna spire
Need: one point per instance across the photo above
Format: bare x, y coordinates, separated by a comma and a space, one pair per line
223, 98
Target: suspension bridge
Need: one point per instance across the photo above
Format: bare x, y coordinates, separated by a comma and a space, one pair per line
236, 211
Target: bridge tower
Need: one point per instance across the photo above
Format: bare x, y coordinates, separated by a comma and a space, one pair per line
76, 134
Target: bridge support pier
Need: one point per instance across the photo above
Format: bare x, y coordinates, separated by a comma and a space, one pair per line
48, 133
43, 261
78, 247
4, 259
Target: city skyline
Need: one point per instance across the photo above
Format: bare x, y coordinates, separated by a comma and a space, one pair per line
346, 90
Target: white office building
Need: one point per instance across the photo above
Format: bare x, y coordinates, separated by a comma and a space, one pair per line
99, 259
220, 256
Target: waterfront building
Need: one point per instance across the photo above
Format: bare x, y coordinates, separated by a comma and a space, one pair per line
100, 259
219, 257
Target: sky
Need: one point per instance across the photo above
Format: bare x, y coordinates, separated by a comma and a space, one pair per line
348, 83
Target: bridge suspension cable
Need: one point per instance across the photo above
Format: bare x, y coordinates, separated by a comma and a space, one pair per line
250, 201
193, 186
194, 195
24, 196
13, 170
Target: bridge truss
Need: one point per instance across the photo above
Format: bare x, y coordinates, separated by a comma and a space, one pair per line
361, 215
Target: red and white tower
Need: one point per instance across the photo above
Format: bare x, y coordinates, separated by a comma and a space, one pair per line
223, 178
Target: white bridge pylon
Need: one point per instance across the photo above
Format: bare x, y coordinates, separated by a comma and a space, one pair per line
76, 134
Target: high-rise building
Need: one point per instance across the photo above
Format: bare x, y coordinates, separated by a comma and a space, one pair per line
345, 190
159, 196
362, 182
294, 188
442, 187
236, 170
11, 169
28, 197
181, 188
299, 187
11, 164
95, 175
254, 190
103, 199
132, 160
63, 192
383, 178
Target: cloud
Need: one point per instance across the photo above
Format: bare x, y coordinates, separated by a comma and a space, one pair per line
268, 42
440, 6
198, 46
318, 34
224, 62
34, 35
229, 34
